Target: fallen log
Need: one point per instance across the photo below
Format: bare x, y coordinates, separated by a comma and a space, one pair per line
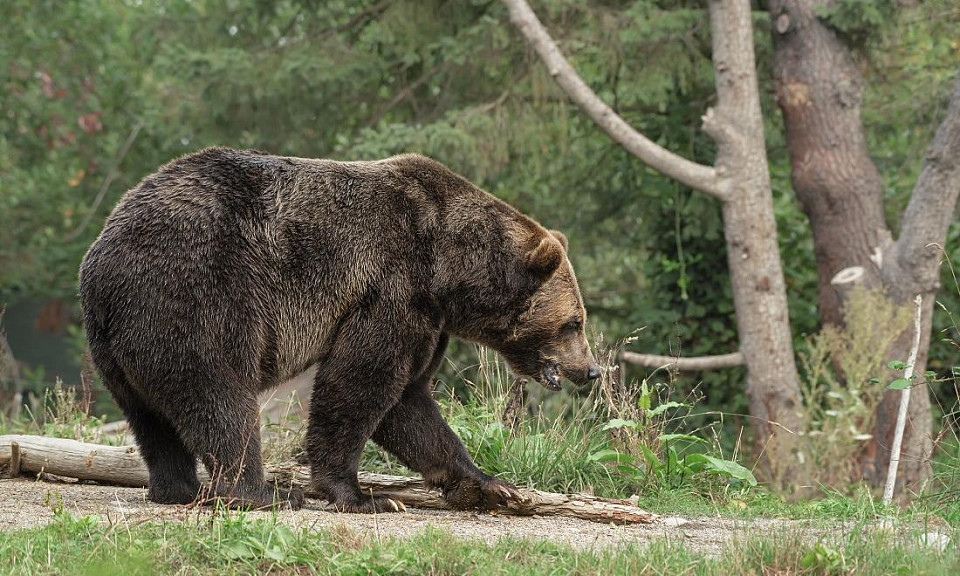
122, 466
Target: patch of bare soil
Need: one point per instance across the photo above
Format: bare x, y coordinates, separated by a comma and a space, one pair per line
26, 503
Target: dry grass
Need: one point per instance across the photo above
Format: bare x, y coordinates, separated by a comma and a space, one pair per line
843, 383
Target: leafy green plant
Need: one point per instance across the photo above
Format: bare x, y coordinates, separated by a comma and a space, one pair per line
904, 383
675, 463
858, 20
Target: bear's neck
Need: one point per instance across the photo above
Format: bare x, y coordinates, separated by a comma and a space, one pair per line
479, 278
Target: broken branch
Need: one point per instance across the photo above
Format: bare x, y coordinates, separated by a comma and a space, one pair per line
693, 364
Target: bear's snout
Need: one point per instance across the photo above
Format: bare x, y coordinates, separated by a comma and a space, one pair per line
593, 372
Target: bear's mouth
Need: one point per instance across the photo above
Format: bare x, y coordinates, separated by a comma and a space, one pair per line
550, 376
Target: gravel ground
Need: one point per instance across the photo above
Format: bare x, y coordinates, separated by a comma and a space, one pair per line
25, 503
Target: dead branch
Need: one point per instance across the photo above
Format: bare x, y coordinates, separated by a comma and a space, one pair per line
693, 364
904, 405
122, 466
134, 132
697, 176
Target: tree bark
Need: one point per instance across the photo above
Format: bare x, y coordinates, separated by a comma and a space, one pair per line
912, 266
740, 179
122, 466
819, 91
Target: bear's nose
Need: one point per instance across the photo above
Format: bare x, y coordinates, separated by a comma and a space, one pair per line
593, 372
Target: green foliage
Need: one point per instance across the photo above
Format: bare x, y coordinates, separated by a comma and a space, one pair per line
61, 414
858, 20
840, 371
566, 443
676, 463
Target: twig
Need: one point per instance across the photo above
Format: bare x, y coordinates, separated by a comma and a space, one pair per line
13, 469
515, 404
405, 93
904, 405
692, 364
106, 182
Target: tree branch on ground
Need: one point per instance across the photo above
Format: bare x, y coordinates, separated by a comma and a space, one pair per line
122, 466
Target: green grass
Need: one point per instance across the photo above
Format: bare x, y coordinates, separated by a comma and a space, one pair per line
234, 544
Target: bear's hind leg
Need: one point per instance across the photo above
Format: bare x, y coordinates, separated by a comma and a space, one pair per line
172, 467
224, 430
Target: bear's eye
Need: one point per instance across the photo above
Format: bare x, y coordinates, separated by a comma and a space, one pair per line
573, 325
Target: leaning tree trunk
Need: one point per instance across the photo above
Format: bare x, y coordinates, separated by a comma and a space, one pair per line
740, 180
819, 91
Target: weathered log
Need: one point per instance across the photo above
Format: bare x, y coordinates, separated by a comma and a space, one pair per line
122, 466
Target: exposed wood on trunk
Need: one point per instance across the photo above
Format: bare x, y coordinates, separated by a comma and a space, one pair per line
819, 91
122, 466
691, 364
741, 180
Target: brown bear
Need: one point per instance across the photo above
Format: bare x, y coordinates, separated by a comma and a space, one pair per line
227, 272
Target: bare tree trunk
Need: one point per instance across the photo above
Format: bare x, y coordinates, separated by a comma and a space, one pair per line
759, 291
819, 91
740, 179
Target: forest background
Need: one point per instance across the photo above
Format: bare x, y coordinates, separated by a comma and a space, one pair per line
97, 94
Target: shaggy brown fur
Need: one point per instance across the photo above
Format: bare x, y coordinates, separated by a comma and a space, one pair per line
227, 272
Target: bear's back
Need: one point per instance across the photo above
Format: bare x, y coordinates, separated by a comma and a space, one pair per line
255, 250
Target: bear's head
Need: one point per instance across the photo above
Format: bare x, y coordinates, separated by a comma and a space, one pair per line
547, 340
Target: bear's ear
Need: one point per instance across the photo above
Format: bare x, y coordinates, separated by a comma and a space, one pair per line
546, 257
563, 239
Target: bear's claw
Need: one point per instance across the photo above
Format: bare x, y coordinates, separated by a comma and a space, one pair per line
486, 493
369, 505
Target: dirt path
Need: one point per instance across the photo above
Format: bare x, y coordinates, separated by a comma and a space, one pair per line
26, 503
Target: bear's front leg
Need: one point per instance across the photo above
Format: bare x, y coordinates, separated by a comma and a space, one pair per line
354, 387
415, 432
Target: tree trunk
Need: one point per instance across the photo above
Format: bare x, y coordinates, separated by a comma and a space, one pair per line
740, 179
759, 292
912, 266
819, 91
